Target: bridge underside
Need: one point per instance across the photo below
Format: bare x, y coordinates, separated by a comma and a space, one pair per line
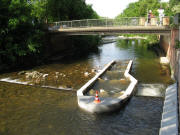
159, 30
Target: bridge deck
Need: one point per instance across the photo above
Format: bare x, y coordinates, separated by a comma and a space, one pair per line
112, 30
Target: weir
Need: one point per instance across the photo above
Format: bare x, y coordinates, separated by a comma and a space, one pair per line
17, 81
151, 90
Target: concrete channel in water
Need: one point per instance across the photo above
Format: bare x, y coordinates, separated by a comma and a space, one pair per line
107, 104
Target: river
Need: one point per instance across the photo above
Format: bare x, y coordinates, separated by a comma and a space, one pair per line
32, 110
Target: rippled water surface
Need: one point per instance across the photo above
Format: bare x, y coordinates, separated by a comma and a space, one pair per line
31, 110
28, 110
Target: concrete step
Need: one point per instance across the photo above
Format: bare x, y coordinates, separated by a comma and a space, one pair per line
171, 95
171, 87
170, 91
169, 130
170, 106
152, 90
169, 122
170, 101
169, 114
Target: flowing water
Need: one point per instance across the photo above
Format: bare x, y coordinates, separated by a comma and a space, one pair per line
32, 110
113, 82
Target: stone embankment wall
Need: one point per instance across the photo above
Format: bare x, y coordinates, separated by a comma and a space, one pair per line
168, 43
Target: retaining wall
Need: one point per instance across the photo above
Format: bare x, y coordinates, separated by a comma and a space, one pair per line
168, 44
169, 122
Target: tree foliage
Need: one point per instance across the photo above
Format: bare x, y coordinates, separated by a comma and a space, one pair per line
141, 8
61, 10
21, 24
176, 8
19, 36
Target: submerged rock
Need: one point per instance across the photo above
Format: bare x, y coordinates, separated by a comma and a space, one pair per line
36, 77
37, 81
103, 93
22, 73
45, 76
93, 70
92, 92
164, 60
33, 75
86, 74
28, 76
100, 80
102, 90
119, 94
124, 81
69, 86
165, 70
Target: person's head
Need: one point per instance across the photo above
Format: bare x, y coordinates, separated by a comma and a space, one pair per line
150, 11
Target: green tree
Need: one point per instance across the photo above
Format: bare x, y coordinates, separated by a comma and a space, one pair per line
176, 9
21, 24
141, 8
59, 10
172, 3
39, 9
19, 35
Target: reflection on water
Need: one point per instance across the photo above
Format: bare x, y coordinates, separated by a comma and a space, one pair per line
150, 71
27, 110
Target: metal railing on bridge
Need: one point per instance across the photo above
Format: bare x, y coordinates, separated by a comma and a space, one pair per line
125, 21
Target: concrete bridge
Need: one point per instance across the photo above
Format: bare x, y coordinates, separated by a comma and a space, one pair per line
132, 25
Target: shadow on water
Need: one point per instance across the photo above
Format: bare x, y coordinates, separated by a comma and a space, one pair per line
27, 110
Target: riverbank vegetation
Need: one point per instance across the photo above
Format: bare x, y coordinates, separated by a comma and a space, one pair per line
22, 33
141, 9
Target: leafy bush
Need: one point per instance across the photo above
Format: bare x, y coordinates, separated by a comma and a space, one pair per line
177, 45
21, 27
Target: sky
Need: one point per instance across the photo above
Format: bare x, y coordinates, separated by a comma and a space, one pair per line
111, 8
